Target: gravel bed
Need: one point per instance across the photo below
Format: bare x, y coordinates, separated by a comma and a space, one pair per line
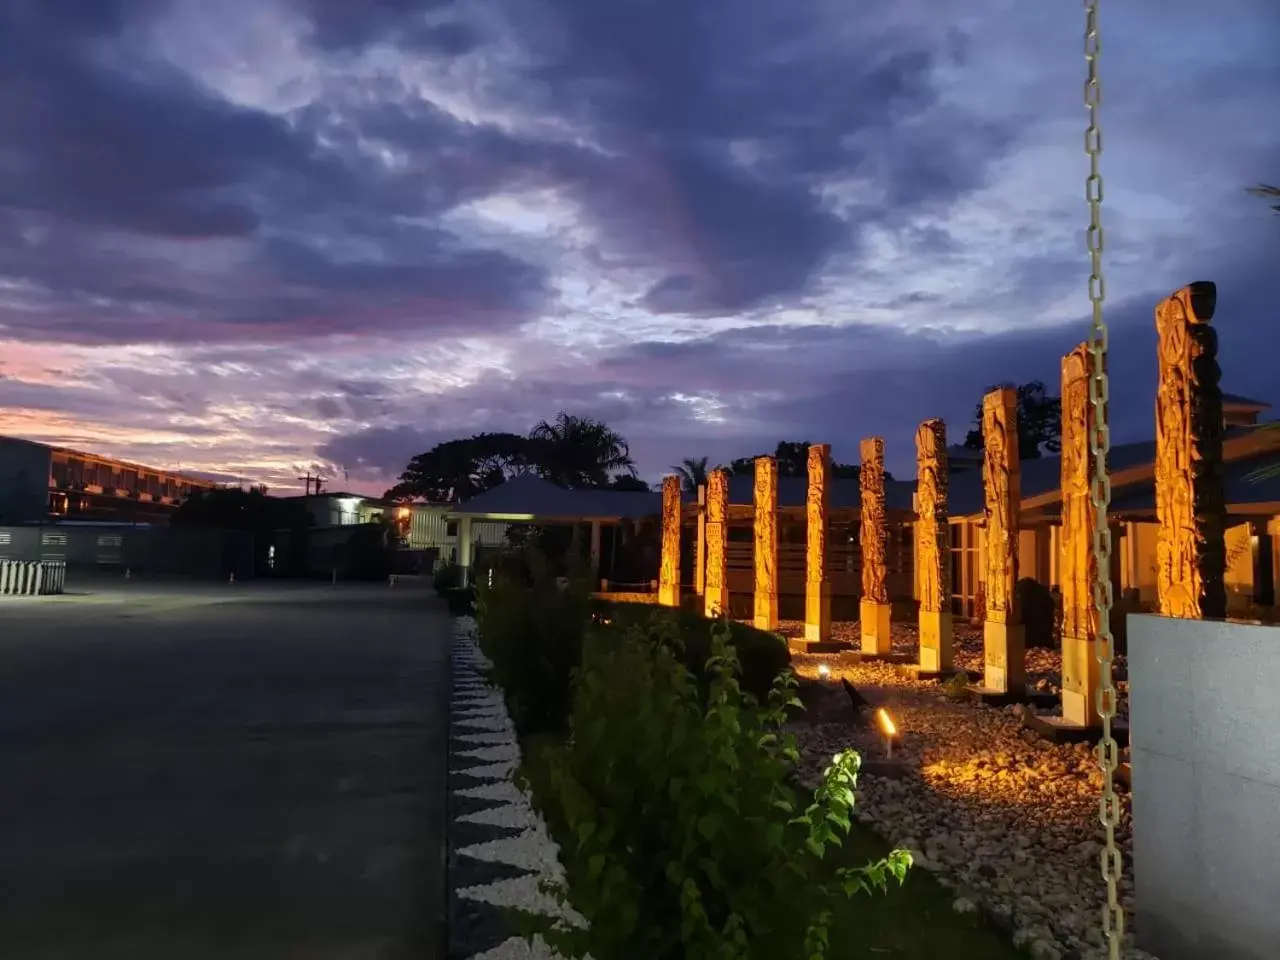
1006, 820
1044, 667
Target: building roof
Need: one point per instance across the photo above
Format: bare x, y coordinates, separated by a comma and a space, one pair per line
102, 458
1240, 482
1235, 400
843, 494
1042, 475
529, 497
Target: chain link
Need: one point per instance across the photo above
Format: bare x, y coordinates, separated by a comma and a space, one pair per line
1100, 492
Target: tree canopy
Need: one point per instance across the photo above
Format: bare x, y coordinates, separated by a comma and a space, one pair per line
579, 452
692, 472
232, 508
793, 461
1268, 192
1039, 421
458, 470
572, 451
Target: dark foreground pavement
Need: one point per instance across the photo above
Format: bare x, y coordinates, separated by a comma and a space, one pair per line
186, 777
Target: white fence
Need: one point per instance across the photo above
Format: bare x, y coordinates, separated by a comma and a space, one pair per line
28, 578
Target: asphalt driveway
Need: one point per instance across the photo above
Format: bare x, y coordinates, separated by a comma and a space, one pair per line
223, 772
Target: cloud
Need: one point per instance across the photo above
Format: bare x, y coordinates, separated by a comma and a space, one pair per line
283, 235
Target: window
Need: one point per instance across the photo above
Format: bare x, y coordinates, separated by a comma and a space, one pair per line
451, 528
111, 540
53, 539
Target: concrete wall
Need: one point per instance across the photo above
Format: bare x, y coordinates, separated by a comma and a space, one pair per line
145, 551
1205, 737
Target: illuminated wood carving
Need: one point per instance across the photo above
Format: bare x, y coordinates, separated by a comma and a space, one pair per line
874, 533
933, 547
716, 598
766, 543
700, 545
1077, 571
1077, 567
1002, 487
669, 573
873, 541
817, 591
1190, 500
1004, 644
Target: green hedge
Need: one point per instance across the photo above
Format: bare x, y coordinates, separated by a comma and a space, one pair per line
763, 655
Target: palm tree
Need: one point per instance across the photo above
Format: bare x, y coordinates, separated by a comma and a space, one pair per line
1271, 469
692, 473
580, 451
1267, 192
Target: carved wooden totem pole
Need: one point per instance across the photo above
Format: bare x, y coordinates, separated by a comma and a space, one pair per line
817, 589
766, 543
874, 540
700, 544
669, 572
1077, 565
1004, 640
933, 547
1190, 500
716, 600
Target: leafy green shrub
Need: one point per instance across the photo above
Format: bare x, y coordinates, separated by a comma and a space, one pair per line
461, 601
448, 576
531, 625
686, 838
763, 655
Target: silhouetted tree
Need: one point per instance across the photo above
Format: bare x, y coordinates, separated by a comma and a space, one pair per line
576, 452
692, 472
579, 452
232, 508
1039, 421
458, 470
793, 461
1267, 192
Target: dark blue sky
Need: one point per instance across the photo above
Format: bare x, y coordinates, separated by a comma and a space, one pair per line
258, 236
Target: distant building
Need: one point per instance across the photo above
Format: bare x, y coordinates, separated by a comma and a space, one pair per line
41, 483
425, 528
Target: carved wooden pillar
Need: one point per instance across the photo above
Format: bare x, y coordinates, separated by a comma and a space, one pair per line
1077, 569
933, 548
766, 543
1004, 640
817, 589
700, 548
716, 599
1190, 500
873, 540
669, 572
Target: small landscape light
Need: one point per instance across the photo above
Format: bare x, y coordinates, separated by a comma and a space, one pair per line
824, 671
887, 728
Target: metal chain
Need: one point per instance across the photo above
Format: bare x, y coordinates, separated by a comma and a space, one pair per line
1100, 493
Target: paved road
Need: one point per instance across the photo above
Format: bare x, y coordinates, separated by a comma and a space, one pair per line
187, 776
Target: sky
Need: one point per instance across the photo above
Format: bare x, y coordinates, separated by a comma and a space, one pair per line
257, 238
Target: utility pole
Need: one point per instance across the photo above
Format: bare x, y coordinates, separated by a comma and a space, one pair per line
310, 480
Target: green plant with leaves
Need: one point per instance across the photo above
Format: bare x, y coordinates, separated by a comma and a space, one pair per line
531, 625
762, 654
687, 837
448, 576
